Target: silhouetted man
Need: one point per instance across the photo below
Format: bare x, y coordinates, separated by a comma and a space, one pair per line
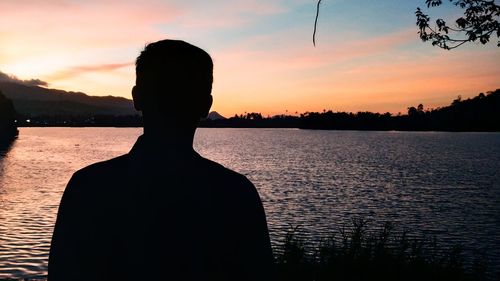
162, 212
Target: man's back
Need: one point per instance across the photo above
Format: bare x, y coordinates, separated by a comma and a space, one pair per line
160, 214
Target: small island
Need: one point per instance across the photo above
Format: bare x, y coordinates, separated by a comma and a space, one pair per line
8, 128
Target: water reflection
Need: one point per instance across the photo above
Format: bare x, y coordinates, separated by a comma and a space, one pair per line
445, 184
33, 175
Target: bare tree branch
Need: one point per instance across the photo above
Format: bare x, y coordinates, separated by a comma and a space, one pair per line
316, 23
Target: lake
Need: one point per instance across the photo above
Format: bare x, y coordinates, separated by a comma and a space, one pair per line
438, 183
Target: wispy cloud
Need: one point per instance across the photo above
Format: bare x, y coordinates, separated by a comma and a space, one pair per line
78, 70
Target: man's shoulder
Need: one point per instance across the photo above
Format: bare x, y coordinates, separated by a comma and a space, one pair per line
217, 170
102, 170
96, 179
227, 180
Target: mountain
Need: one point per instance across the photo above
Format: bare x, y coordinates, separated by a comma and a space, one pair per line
33, 101
214, 115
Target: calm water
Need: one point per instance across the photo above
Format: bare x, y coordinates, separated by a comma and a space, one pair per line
443, 184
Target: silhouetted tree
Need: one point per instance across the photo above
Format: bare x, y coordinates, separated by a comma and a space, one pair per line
8, 128
412, 111
479, 23
254, 116
457, 100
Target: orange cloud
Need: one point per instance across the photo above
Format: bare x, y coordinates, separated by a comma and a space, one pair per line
77, 70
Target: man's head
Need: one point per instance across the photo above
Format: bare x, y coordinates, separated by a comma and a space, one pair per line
173, 84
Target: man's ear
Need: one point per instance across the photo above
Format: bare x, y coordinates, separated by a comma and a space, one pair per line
137, 97
206, 106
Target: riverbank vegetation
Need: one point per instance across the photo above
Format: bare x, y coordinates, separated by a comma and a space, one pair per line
361, 253
480, 113
473, 114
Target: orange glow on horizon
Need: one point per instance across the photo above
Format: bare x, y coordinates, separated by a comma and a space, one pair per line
91, 47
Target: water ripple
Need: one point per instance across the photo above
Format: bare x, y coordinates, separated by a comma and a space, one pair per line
442, 184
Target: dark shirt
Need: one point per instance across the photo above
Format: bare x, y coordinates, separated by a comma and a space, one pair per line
160, 214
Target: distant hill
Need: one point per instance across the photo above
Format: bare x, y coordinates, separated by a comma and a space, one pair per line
33, 101
214, 115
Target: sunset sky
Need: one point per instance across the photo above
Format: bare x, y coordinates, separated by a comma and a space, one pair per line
368, 54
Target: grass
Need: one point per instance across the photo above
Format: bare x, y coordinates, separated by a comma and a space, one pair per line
359, 253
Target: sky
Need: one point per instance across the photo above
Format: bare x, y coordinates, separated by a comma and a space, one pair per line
368, 56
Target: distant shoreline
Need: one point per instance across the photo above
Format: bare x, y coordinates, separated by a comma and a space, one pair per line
297, 128
478, 114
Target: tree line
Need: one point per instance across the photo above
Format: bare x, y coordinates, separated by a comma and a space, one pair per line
480, 113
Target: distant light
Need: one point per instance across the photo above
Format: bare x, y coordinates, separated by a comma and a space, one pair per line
28, 121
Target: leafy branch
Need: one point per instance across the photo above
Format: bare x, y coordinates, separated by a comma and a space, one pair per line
479, 23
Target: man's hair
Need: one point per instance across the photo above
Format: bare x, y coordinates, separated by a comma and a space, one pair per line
175, 72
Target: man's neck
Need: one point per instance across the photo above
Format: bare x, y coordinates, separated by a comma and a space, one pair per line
172, 138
